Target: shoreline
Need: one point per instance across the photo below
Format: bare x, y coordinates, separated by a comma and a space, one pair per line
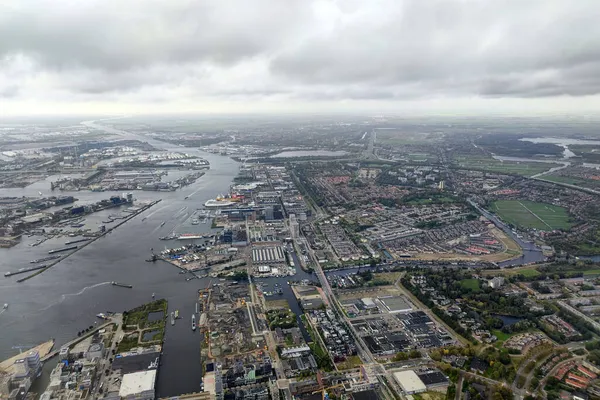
133, 215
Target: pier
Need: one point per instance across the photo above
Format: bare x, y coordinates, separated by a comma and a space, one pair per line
76, 241
25, 270
62, 249
102, 234
43, 349
50, 354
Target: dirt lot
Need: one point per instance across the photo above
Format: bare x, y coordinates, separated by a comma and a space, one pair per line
276, 304
377, 291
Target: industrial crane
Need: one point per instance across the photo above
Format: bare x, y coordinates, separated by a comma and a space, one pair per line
324, 391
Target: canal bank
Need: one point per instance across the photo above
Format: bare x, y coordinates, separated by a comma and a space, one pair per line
59, 303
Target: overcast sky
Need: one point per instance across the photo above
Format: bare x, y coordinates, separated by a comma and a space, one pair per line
421, 56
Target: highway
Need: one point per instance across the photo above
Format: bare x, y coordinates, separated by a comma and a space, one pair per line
369, 153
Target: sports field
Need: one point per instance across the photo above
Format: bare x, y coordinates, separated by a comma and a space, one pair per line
528, 168
531, 214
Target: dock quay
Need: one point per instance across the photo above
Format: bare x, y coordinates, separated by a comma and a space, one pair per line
43, 349
25, 270
76, 241
62, 249
53, 353
92, 240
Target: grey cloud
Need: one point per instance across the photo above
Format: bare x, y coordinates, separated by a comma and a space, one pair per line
331, 50
117, 35
452, 42
9, 91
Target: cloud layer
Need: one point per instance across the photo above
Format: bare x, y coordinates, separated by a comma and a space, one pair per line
296, 51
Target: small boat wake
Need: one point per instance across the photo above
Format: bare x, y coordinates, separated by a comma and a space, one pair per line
64, 296
195, 191
31, 314
155, 211
67, 295
179, 212
159, 226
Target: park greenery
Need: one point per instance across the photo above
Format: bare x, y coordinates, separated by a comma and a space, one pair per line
139, 316
281, 318
138, 320
407, 355
500, 367
128, 342
478, 300
238, 276
321, 355
593, 348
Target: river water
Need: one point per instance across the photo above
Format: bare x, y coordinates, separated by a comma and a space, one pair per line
562, 142
66, 298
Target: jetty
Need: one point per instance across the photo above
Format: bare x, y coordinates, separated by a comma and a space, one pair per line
43, 349
49, 354
63, 249
77, 241
92, 240
24, 270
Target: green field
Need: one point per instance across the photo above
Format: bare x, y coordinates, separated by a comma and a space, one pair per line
530, 214
529, 272
472, 284
591, 272
509, 167
589, 183
502, 337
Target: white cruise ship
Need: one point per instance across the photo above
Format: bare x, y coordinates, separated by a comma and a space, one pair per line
219, 202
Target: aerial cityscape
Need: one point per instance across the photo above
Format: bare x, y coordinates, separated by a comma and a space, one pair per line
299, 200
364, 258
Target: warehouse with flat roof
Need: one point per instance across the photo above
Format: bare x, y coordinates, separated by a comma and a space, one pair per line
264, 254
138, 385
410, 382
395, 304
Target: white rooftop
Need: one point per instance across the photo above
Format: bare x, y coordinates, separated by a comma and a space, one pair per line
137, 382
410, 382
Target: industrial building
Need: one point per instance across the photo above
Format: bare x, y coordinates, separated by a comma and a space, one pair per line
433, 379
410, 382
394, 304
294, 226
267, 255
138, 385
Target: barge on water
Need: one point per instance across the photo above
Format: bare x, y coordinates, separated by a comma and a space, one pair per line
39, 260
63, 249
125, 285
24, 270
77, 241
